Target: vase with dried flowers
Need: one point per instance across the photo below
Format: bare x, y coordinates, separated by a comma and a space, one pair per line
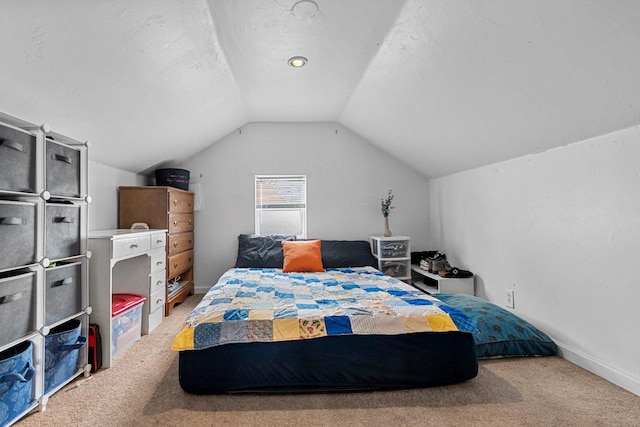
385, 207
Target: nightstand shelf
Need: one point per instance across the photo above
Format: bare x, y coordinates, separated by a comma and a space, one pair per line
435, 284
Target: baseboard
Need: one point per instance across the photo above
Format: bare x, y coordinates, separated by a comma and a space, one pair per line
201, 290
615, 376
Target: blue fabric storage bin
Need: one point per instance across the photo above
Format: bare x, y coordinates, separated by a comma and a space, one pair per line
16, 381
62, 349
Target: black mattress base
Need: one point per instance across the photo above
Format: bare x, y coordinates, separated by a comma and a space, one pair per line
334, 363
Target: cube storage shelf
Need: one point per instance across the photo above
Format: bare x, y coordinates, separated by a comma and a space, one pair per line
43, 260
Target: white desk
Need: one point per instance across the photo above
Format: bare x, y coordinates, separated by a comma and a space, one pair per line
126, 261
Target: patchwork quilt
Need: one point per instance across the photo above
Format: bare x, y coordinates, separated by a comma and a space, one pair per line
265, 305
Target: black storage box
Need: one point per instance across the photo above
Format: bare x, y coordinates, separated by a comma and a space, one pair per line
17, 160
17, 304
178, 178
63, 230
17, 233
63, 291
63, 170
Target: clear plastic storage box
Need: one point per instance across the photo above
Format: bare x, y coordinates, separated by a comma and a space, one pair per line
126, 324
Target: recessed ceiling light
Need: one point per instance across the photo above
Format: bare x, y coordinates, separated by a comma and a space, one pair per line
305, 9
298, 61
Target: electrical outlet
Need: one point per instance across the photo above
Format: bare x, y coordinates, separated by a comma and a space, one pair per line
510, 303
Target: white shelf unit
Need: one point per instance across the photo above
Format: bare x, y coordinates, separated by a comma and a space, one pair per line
132, 262
31, 152
393, 254
436, 284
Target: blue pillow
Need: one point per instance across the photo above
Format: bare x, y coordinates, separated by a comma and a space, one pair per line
502, 333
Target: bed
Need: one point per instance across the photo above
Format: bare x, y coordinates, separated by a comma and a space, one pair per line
321, 318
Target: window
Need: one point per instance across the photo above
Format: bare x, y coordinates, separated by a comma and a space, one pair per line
281, 205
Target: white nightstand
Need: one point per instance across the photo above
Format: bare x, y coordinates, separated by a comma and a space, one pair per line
393, 254
435, 284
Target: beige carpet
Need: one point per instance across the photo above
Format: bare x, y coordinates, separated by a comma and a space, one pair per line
142, 389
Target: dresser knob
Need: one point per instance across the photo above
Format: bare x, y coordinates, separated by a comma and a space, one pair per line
158, 262
175, 265
175, 202
134, 245
190, 222
159, 301
175, 244
190, 240
175, 222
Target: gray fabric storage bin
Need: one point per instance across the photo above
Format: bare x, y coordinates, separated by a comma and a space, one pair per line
62, 292
17, 160
63, 230
63, 170
17, 303
17, 233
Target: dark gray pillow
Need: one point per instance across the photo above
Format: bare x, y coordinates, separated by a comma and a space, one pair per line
347, 253
260, 251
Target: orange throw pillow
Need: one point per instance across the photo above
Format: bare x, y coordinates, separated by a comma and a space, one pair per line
302, 256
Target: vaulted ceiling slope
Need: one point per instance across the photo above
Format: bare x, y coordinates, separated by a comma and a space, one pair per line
444, 85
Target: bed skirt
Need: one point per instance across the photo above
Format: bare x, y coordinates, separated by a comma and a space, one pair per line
334, 363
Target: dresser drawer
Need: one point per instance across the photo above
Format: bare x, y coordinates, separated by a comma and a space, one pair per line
180, 222
179, 243
155, 318
180, 263
157, 281
158, 240
157, 260
130, 246
180, 202
156, 300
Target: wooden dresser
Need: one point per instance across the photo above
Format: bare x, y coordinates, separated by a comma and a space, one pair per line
165, 208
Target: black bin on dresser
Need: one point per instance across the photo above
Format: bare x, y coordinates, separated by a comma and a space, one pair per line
17, 160
62, 230
17, 233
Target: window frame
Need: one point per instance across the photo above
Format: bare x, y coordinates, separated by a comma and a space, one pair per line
274, 208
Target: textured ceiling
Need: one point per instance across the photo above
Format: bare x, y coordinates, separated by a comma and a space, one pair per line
444, 85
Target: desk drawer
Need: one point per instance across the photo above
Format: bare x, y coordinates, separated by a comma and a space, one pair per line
179, 243
180, 222
158, 240
130, 246
157, 300
157, 282
180, 263
180, 202
157, 260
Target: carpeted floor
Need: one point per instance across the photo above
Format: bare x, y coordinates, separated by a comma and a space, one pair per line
142, 389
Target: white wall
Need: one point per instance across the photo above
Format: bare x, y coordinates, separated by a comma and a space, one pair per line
346, 178
103, 189
562, 228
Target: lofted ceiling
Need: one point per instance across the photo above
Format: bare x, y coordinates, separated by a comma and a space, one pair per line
444, 85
